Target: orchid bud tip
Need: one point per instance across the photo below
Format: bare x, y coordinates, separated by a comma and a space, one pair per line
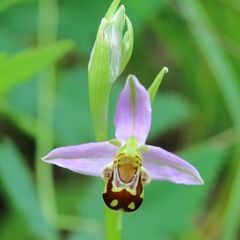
165, 69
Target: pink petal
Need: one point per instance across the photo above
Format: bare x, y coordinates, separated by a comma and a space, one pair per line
163, 165
133, 112
89, 158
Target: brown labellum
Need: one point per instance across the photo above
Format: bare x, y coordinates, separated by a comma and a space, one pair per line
121, 197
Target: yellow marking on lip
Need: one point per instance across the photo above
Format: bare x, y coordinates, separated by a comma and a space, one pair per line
131, 205
114, 203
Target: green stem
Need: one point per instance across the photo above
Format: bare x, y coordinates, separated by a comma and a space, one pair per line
48, 12
113, 221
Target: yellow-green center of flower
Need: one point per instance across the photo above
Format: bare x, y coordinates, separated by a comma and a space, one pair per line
128, 159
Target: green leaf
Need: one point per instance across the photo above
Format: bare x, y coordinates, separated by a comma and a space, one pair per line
18, 185
22, 66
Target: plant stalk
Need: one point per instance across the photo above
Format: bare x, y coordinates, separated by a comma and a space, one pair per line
47, 34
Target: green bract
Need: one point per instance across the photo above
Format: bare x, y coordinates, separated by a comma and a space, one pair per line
156, 83
110, 54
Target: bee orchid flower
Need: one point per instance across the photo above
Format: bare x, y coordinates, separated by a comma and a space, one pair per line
126, 163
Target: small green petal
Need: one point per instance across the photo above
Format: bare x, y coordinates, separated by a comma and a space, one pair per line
143, 148
156, 83
115, 142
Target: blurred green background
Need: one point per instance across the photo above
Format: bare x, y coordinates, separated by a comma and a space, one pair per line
44, 51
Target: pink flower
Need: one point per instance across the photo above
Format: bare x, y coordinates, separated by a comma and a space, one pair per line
126, 164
